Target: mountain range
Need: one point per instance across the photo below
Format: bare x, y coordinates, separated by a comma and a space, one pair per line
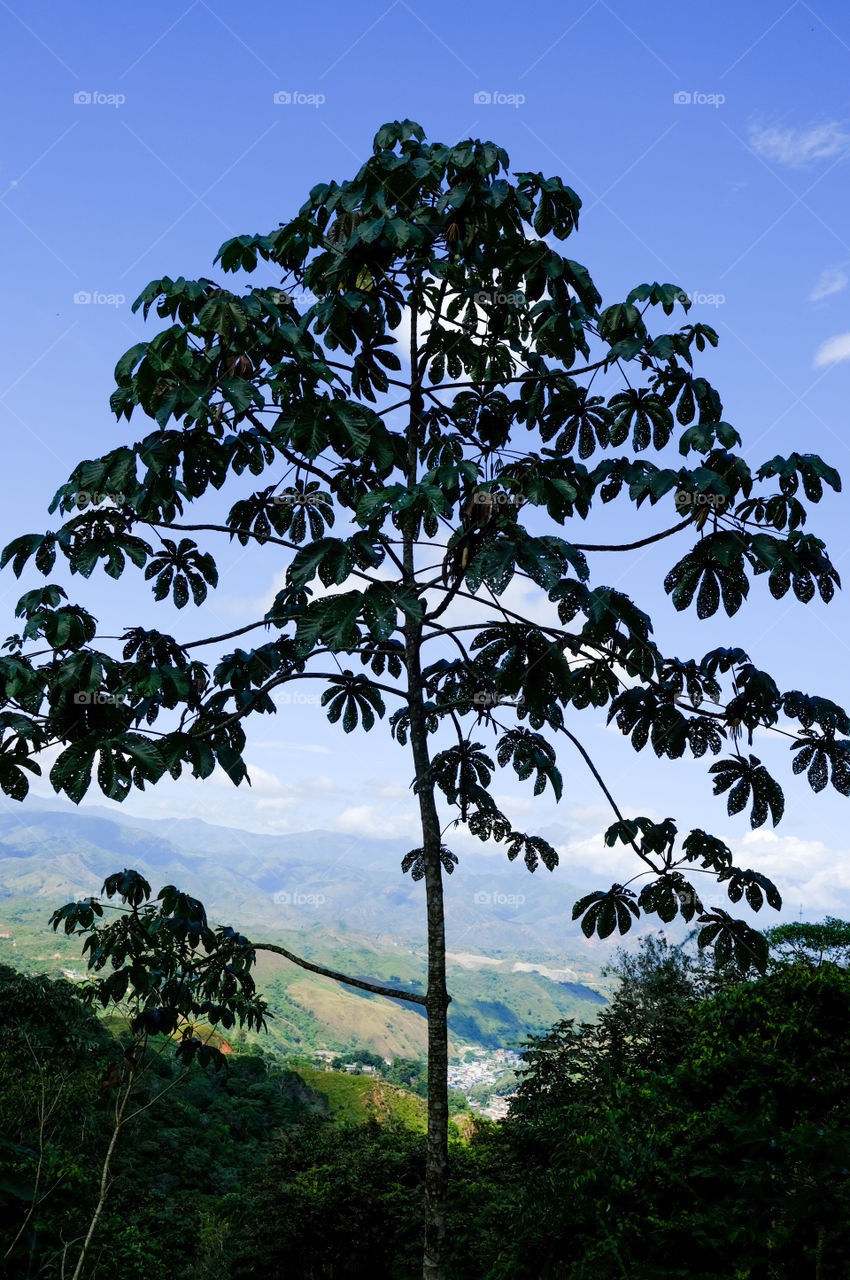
517, 962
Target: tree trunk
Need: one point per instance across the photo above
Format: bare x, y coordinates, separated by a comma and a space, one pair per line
437, 1151
104, 1176
437, 1154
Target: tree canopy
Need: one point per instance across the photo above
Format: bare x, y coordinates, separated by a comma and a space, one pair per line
434, 424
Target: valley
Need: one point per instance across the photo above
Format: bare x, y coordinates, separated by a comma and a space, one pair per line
517, 963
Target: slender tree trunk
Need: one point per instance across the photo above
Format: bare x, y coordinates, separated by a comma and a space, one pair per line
104, 1177
437, 1155
437, 1000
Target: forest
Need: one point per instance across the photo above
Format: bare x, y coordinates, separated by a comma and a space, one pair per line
699, 1126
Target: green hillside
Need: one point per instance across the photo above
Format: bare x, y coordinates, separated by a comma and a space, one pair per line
352, 1099
492, 1006
507, 977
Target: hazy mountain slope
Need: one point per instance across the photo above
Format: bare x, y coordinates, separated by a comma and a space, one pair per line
517, 963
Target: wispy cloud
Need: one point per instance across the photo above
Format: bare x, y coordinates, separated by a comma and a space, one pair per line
833, 350
799, 147
831, 280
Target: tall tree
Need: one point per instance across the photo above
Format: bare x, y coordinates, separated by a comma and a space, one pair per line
439, 401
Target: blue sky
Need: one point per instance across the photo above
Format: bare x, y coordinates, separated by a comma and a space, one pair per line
710, 147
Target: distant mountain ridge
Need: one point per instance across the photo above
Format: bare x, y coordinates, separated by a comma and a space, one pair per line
517, 961
289, 882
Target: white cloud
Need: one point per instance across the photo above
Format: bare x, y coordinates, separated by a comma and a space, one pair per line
807, 872
377, 824
799, 147
833, 350
513, 805
831, 280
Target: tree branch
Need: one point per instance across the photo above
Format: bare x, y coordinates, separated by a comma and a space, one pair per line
392, 992
633, 546
613, 803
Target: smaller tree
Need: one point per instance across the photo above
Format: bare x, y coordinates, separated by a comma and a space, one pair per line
646, 1026
812, 944
51, 1052
170, 972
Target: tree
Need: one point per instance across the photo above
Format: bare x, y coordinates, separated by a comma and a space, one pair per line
646, 1025
52, 1054
168, 971
810, 943
451, 453
698, 1128
178, 1175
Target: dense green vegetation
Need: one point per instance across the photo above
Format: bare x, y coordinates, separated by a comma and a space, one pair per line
699, 1127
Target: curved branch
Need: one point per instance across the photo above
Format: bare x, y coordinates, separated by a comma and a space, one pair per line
285, 679
613, 803
228, 635
374, 987
223, 528
633, 546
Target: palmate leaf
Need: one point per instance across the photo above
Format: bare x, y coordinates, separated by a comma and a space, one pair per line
534, 850
124, 761
708, 849
812, 710
14, 765
461, 772
494, 564
716, 567
602, 913
653, 837
736, 944
414, 862
645, 414
646, 717
583, 419
530, 753
750, 884
667, 296
744, 779
355, 699
823, 759
332, 559
72, 770
333, 620
668, 895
